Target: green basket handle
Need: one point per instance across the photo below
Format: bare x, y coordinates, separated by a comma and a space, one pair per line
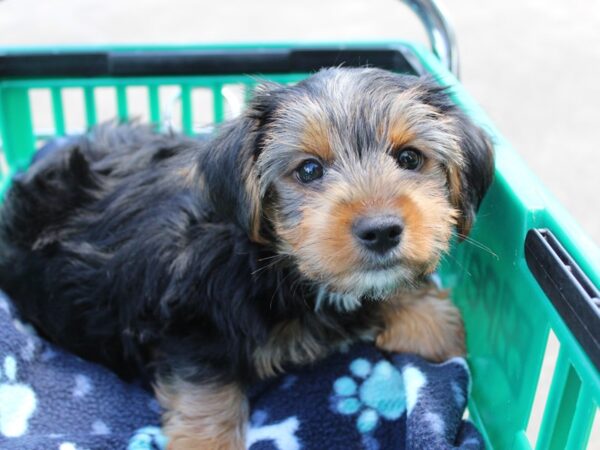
439, 29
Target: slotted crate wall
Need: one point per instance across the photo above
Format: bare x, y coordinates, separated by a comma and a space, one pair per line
44, 110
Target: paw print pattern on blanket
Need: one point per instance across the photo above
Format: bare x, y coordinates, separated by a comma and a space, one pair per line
148, 438
380, 393
281, 435
17, 401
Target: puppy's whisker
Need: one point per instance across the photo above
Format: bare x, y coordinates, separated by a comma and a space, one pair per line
476, 244
279, 285
276, 259
266, 258
296, 284
455, 259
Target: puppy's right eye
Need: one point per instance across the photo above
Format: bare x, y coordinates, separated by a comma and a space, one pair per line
410, 158
309, 170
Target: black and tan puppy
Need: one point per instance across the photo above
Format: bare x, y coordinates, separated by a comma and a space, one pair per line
306, 224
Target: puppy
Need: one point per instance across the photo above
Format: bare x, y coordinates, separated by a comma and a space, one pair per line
308, 223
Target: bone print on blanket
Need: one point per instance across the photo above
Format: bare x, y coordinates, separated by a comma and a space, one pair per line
361, 399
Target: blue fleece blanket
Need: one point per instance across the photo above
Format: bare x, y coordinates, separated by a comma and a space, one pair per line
360, 399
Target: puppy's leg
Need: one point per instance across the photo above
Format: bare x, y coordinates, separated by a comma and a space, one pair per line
289, 342
427, 324
305, 342
203, 416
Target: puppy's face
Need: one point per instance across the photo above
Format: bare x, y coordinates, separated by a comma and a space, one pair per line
364, 175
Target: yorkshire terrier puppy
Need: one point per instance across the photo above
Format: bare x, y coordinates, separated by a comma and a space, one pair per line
308, 223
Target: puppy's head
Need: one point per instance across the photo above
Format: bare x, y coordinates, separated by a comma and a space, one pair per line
362, 176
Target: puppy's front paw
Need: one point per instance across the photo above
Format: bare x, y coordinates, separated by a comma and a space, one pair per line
428, 325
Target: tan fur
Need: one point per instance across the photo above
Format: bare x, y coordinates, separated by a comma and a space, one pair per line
412, 122
454, 185
456, 197
428, 221
288, 343
427, 324
203, 417
323, 240
315, 139
400, 135
401, 122
337, 252
254, 201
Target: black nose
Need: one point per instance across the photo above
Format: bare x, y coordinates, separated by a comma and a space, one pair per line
379, 233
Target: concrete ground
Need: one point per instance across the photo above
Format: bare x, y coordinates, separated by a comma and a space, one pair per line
532, 64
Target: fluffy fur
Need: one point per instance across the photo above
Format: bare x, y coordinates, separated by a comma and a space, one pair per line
211, 265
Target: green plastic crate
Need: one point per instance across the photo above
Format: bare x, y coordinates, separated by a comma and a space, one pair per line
508, 315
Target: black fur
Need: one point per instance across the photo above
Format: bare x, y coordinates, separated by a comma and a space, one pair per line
112, 257
111, 253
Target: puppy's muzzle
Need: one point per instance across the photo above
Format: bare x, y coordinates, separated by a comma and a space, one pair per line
378, 234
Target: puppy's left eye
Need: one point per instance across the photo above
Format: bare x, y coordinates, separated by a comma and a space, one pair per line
309, 170
410, 158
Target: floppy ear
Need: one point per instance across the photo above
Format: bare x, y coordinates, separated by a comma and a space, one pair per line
469, 183
229, 163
